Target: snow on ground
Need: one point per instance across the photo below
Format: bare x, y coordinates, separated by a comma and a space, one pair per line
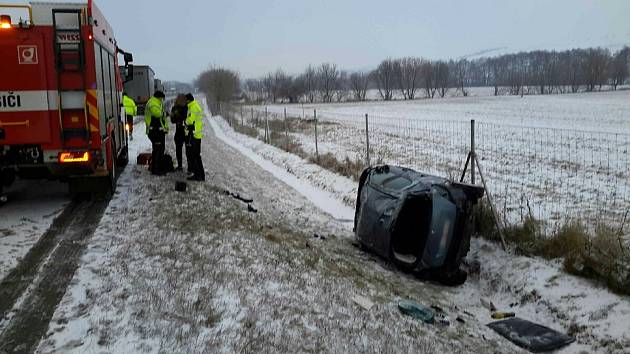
318, 188
196, 272
535, 289
31, 208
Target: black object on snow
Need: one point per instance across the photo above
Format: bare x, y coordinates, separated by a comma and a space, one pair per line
421, 222
531, 336
180, 186
238, 196
165, 166
251, 209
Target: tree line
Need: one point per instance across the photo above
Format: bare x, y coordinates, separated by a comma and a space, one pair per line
534, 72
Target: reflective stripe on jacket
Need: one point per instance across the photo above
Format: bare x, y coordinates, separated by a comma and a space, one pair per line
195, 119
130, 106
154, 110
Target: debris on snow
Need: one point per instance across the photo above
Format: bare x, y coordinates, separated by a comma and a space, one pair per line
363, 301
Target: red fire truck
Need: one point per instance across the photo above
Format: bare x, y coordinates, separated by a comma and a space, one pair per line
60, 95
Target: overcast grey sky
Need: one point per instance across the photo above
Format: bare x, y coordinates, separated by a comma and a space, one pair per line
181, 38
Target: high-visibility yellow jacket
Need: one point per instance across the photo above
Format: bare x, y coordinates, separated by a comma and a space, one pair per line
194, 119
154, 110
130, 106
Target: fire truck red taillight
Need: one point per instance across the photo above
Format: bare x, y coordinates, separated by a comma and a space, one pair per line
5, 22
74, 156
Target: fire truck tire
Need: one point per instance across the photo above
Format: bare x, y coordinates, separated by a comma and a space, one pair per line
112, 173
7, 177
123, 158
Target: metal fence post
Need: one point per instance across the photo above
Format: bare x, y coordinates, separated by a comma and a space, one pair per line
242, 119
472, 151
367, 140
266, 127
286, 129
316, 147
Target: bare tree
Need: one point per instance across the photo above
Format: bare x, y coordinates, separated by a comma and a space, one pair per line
255, 89
595, 65
359, 83
342, 86
310, 83
428, 79
619, 67
327, 78
385, 78
498, 68
442, 77
409, 75
461, 69
297, 89
219, 84
269, 85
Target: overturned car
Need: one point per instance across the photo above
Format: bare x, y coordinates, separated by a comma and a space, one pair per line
420, 222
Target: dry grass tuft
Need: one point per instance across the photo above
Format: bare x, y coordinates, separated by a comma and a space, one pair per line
599, 255
347, 167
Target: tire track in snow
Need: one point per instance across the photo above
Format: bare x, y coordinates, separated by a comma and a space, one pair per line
31, 292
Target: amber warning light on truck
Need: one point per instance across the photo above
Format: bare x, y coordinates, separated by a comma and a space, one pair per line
5, 22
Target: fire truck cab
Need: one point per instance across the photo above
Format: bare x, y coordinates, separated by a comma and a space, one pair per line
60, 96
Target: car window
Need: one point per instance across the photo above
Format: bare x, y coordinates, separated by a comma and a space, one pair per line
379, 177
397, 183
389, 180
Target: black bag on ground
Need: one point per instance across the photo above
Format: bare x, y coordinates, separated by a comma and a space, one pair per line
165, 166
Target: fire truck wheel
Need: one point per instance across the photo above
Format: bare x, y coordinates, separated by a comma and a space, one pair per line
123, 158
7, 177
112, 173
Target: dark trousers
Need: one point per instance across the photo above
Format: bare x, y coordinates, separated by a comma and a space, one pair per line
158, 139
179, 144
196, 164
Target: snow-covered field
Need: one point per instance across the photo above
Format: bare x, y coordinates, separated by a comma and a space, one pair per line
558, 155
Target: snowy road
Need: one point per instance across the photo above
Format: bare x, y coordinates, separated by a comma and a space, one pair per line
31, 208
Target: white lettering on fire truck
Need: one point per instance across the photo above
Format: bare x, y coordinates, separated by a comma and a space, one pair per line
10, 101
27, 101
68, 38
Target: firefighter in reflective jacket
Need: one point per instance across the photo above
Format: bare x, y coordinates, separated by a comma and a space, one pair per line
131, 111
157, 128
194, 133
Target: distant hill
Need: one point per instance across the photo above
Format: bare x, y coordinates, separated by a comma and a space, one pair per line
612, 42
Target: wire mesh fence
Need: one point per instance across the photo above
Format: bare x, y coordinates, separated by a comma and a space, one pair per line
547, 173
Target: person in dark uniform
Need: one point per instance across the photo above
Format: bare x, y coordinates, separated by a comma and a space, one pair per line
194, 132
178, 116
156, 128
